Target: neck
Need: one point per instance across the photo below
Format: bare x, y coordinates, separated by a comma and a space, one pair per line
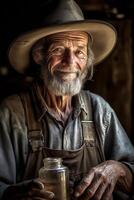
60, 104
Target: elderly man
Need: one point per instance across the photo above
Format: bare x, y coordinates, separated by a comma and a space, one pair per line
56, 118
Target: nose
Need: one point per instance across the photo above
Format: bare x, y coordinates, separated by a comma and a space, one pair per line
69, 57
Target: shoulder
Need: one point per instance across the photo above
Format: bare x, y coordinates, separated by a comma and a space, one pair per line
97, 101
12, 102
102, 111
12, 105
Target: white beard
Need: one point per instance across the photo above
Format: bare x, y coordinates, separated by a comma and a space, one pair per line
61, 88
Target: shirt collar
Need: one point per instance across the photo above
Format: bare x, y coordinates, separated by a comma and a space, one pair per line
79, 104
41, 106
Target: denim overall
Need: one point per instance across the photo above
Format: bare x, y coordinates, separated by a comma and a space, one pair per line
79, 161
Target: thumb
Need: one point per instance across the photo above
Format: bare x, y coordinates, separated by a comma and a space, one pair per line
37, 184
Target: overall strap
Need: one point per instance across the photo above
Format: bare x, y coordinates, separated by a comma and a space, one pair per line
87, 117
35, 136
88, 126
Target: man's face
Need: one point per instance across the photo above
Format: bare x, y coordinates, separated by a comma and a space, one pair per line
64, 62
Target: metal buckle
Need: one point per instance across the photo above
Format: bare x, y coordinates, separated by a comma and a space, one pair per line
36, 140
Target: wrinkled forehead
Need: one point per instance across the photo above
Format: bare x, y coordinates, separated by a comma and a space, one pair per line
72, 35
79, 36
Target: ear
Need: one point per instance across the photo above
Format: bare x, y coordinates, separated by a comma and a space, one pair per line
37, 56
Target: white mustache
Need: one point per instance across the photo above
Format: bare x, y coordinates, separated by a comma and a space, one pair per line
67, 71
67, 68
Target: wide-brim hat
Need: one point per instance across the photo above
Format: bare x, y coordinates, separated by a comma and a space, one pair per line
67, 16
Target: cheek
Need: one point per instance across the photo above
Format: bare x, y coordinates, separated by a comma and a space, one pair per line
82, 64
53, 62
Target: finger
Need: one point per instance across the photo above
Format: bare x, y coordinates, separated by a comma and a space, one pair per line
37, 184
91, 190
71, 187
71, 191
85, 183
100, 191
41, 193
108, 192
38, 198
32, 198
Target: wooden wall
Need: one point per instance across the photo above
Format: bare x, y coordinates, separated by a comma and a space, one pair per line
113, 78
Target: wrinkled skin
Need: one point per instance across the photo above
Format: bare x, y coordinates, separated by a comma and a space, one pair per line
98, 185
102, 179
64, 67
27, 190
65, 59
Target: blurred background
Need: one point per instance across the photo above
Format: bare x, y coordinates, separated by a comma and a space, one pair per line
113, 79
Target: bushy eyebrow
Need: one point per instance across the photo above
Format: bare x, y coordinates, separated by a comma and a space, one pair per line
82, 47
57, 43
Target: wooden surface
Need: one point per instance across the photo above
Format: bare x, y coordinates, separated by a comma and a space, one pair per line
113, 78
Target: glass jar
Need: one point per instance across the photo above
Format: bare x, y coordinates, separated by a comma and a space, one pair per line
55, 177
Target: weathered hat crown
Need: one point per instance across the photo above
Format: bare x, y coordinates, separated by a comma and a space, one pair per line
65, 16
66, 11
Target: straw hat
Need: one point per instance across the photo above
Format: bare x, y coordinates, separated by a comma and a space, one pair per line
67, 16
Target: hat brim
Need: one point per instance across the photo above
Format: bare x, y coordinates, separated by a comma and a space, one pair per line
104, 39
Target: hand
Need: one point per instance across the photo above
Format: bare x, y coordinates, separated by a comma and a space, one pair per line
100, 181
27, 190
